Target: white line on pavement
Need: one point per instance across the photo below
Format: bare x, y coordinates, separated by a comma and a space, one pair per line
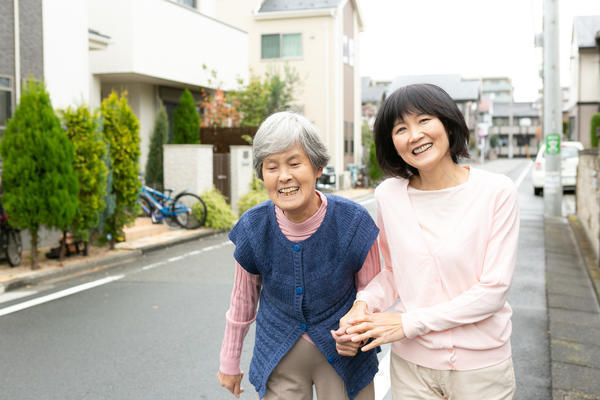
365, 202
382, 378
523, 174
58, 295
181, 257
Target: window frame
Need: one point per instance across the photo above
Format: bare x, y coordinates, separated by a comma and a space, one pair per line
10, 90
280, 56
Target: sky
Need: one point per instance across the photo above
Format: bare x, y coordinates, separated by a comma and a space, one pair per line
472, 38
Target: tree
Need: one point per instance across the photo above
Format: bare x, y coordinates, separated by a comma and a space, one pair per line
154, 164
85, 133
217, 112
262, 97
121, 131
186, 120
375, 172
39, 183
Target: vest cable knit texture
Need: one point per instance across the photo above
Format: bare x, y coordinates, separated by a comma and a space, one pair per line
307, 286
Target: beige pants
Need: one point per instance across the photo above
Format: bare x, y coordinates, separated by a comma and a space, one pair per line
411, 381
303, 366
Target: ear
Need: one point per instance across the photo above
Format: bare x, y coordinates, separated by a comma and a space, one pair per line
319, 173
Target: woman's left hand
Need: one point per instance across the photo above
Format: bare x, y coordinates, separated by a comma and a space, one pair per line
384, 327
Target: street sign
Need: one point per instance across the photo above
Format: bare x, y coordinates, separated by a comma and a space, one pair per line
552, 144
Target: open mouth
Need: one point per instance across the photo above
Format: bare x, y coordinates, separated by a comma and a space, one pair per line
289, 191
422, 148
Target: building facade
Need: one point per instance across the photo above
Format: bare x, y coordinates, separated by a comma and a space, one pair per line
319, 39
584, 93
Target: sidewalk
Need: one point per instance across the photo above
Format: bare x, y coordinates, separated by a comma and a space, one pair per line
103, 258
572, 289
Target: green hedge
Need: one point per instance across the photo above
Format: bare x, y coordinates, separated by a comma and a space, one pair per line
218, 213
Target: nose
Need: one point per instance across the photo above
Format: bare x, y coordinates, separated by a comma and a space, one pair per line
415, 133
284, 174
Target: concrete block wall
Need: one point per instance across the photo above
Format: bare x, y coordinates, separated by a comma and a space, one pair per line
240, 159
587, 197
188, 167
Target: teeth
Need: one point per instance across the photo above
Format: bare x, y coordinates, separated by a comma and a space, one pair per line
421, 149
288, 190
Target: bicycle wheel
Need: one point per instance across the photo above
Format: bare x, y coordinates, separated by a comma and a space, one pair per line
147, 207
189, 211
14, 247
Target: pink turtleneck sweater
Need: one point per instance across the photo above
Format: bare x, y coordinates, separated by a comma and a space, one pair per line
247, 286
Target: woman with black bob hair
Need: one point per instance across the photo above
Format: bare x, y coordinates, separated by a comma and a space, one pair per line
418, 99
448, 236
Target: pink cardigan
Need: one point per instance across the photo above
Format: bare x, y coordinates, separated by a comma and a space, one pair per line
246, 288
452, 291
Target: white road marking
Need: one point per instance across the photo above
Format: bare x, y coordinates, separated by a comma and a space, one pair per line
58, 295
523, 174
191, 253
382, 378
365, 202
16, 295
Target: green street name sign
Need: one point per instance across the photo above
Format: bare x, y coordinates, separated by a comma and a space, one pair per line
552, 144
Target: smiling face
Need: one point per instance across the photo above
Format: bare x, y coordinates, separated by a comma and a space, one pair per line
290, 180
422, 142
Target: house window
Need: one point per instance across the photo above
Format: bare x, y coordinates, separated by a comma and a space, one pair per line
5, 103
285, 45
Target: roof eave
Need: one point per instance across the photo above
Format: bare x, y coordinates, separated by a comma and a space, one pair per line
321, 12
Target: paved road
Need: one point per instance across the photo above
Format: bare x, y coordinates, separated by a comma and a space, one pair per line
152, 329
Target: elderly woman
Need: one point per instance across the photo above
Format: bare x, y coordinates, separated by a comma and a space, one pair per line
304, 254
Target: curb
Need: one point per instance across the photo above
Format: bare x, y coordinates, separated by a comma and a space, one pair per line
101, 264
587, 252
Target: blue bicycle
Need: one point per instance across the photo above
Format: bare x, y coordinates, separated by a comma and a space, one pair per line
185, 209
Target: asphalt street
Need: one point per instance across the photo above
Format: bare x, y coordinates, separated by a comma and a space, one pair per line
152, 329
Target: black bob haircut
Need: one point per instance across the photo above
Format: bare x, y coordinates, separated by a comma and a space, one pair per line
422, 98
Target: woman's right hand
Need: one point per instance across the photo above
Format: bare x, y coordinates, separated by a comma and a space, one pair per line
231, 383
344, 344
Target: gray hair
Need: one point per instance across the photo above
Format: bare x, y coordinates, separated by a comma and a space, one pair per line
283, 130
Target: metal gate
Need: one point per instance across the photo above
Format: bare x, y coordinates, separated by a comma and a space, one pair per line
221, 174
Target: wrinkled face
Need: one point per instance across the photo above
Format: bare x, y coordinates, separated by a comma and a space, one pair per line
290, 180
421, 140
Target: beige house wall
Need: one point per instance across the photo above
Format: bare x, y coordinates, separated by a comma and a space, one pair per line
589, 71
328, 95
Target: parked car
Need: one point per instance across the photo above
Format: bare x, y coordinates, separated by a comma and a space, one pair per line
569, 159
327, 179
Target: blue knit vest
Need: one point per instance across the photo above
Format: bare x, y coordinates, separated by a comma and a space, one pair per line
306, 286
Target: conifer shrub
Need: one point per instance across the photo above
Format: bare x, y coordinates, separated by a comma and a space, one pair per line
154, 165
83, 129
186, 120
256, 195
121, 132
38, 181
218, 213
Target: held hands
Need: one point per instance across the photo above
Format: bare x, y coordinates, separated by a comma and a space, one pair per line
384, 327
231, 383
343, 341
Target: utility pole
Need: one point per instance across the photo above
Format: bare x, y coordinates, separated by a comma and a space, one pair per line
552, 112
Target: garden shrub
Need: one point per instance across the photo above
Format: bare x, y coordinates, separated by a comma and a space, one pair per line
256, 195
219, 213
